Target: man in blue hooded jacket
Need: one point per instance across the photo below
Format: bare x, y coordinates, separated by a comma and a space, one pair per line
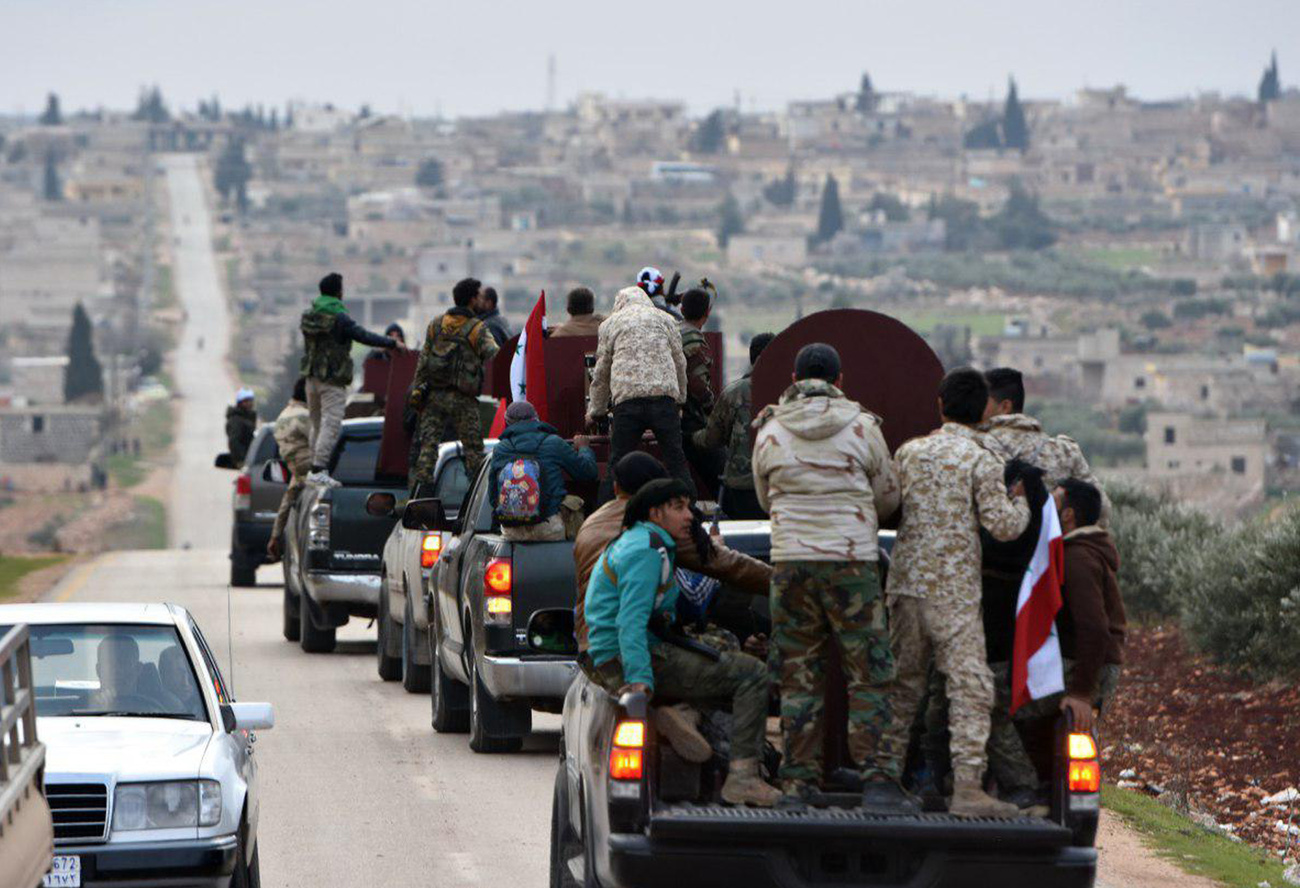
529, 463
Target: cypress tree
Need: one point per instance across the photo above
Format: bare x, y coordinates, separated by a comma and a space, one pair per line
867, 99
830, 219
53, 186
52, 116
732, 221
710, 135
1015, 131
781, 192
83, 378
1270, 86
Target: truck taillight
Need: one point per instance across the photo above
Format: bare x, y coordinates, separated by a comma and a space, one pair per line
626, 756
243, 491
318, 526
497, 586
1084, 769
430, 549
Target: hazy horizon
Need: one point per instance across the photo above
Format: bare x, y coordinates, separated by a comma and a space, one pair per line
408, 57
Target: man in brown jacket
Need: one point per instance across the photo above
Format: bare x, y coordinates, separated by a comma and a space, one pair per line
583, 320
606, 523
1091, 624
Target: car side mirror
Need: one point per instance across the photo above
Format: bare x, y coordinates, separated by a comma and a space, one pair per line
248, 716
425, 514
381, 505
225, 461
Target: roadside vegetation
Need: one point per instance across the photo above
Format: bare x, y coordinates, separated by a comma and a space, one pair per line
1192, 847
14, 567
153, 429
146, 528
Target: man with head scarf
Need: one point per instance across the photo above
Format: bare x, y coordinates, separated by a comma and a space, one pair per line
241, 423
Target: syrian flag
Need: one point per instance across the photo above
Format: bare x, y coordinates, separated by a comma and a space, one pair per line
528, 367
1036, 667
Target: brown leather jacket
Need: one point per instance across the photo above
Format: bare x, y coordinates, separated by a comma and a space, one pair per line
606, 523
579, 325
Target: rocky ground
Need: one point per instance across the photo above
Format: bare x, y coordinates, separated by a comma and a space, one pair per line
1220, 747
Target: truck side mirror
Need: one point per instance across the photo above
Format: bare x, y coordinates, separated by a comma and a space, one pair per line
225, 461
425, 514
381, 505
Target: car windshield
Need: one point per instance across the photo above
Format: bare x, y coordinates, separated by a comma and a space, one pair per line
117, 669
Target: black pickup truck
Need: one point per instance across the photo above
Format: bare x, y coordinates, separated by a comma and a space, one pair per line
627, 812
500, 625
333, 545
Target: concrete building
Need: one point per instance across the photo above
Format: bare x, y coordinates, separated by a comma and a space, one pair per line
1184, 449
38, 380
49, 434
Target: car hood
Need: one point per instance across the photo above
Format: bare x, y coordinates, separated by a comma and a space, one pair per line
129, 748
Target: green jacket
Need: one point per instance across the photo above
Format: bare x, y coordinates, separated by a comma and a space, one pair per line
632, 581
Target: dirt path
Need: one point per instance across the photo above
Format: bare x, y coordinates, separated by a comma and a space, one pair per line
1125, 862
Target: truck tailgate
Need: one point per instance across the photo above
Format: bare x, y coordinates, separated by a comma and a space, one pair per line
357, 538
704, 823
544, 579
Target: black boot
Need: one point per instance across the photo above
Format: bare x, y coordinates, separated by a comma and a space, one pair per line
884, 796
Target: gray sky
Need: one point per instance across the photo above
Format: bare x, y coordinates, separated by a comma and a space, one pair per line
477, 56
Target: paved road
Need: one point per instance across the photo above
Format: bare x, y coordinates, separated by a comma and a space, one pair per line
357, 789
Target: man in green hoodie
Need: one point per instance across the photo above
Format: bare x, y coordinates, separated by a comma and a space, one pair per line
328, 334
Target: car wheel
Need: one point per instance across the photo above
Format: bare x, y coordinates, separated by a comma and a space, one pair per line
450, 706
565, 846
415, 678
485, 714
248, 873
243, 570
313, 640
390, 667
292, 628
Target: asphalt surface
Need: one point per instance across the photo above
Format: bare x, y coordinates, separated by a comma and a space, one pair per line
356, 788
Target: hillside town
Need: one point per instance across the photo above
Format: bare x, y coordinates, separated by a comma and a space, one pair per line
1135, 257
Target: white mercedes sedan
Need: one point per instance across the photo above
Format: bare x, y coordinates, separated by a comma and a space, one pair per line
149, 769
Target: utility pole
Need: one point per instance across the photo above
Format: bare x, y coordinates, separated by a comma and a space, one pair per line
550, 82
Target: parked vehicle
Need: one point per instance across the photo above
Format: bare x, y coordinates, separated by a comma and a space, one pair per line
259, 487
501, 625
149, 771
409, 556
333, 546
627, 811
26, 828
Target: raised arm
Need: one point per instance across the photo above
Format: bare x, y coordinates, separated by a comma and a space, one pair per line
1005, 517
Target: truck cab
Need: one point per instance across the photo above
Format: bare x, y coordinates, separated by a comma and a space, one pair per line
333, 544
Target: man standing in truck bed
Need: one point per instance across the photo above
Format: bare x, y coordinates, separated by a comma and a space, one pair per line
952, 483
449, 379
328, 334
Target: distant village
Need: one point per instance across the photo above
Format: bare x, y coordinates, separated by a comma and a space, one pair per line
1136, 259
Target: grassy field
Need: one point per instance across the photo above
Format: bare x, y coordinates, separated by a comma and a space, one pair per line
980, 323
1193, 848
164, 287
14, 567
1119, 258
154, 429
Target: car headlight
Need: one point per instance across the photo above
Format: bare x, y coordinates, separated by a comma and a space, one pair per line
177, 803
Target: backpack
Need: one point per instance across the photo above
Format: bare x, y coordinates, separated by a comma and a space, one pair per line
519, 492
324, 357
452, 362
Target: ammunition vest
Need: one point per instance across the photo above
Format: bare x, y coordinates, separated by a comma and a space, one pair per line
453, 362
323, 356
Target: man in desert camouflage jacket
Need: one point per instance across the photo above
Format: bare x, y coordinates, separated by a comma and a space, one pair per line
293, 436
952, 484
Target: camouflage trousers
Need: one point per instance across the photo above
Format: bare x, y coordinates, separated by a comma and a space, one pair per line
737, 681
299, 469
443, 409
952, 635
1008, 761
814, 603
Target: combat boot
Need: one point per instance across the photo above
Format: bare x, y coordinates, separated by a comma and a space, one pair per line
678, 725
745, 786
970, 800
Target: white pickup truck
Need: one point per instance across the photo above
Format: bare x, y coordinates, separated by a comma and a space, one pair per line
26, 829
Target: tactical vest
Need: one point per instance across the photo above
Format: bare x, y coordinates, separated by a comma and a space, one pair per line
453, 361
323, 356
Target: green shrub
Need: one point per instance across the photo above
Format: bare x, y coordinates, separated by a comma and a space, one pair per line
1162, 545
1243, 605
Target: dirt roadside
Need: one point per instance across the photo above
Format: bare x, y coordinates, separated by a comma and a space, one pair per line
1124, 861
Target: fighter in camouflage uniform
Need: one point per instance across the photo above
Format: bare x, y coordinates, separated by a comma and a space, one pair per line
448, 380
951, 485
729, 426
293, 435
707, 462
822, 468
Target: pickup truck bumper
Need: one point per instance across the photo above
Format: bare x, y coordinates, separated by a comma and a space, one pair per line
519, 677
203, 863
340, 587
638, 860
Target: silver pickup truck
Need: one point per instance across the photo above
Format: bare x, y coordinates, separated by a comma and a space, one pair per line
26, 828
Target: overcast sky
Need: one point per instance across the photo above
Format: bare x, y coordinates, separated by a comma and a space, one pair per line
480, 57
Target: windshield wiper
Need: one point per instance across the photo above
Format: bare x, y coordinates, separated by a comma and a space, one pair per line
132, 713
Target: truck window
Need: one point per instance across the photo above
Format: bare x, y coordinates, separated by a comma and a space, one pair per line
264, 448
356, 459
453, 483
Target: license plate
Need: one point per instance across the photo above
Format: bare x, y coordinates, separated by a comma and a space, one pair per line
66, 872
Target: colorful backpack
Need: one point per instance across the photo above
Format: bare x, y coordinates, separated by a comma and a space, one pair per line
519, 492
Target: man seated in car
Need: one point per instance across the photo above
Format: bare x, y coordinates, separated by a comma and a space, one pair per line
178, 680
117, 663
